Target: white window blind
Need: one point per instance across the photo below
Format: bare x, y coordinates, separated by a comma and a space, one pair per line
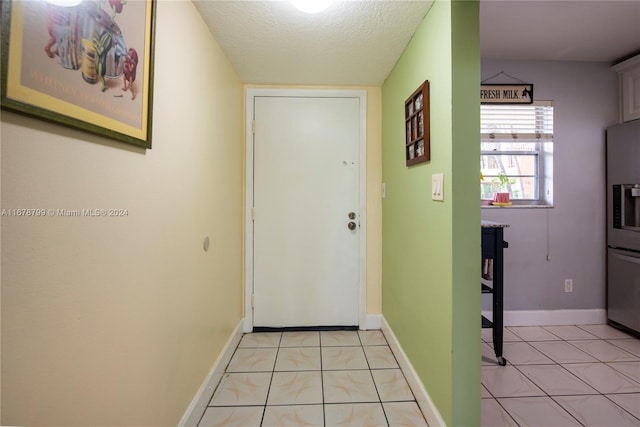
522, 123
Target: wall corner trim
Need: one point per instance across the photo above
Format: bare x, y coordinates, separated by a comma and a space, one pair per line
198, 405
373, 321
429, 410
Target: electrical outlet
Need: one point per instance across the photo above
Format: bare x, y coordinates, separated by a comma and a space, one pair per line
568, 285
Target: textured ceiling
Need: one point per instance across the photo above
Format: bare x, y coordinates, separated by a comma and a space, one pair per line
351, 43
359, 42
575, 30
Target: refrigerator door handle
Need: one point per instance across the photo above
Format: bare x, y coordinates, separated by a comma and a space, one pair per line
626, 258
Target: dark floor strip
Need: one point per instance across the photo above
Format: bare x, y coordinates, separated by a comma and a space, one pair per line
304, 328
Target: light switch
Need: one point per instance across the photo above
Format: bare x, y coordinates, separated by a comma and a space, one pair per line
437, 186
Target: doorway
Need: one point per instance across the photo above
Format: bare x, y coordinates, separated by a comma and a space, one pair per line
305, 208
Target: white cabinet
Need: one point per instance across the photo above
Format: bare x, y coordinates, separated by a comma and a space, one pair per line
629, 72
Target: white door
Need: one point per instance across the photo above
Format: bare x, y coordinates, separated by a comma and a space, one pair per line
306, 187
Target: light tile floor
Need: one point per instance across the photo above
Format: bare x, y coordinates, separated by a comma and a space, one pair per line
586, 375
332, 378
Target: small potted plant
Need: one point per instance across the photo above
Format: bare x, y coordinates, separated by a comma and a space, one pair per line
501, 195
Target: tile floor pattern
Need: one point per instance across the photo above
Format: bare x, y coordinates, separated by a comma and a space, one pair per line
587, 375
328, 378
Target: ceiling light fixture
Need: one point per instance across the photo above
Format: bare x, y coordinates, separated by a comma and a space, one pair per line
312, 6
64, 3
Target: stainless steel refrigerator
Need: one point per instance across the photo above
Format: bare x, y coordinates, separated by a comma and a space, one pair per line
623, 226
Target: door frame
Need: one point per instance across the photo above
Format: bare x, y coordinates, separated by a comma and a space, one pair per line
251, 94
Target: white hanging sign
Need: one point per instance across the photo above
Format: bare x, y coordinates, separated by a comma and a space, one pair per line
506, 94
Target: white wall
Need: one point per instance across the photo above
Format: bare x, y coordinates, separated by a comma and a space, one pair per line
117, 321
572, 233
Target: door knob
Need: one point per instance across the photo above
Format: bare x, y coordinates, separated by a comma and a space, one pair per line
351, 225
352, 215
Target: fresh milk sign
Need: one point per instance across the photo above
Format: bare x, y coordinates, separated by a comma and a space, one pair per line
506, 94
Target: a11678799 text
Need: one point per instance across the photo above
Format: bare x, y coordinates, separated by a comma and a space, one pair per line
84, 212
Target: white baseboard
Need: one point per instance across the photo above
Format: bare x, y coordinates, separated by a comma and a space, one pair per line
373, 321
552, 317
199, 403
429, 410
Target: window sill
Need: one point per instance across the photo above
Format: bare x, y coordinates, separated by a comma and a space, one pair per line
518, 206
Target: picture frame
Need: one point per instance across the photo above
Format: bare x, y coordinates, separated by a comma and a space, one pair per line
88, 66
417, 126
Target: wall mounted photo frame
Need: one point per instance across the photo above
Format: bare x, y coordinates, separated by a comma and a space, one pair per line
88, 66
417, 134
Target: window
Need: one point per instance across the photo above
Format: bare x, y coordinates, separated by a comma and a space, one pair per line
517, 142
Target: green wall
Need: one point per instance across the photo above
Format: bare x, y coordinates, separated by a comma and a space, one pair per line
431, 249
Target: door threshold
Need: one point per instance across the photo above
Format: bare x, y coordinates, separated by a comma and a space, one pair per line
304, 328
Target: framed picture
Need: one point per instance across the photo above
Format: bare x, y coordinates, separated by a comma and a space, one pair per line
417, 122
88, 66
